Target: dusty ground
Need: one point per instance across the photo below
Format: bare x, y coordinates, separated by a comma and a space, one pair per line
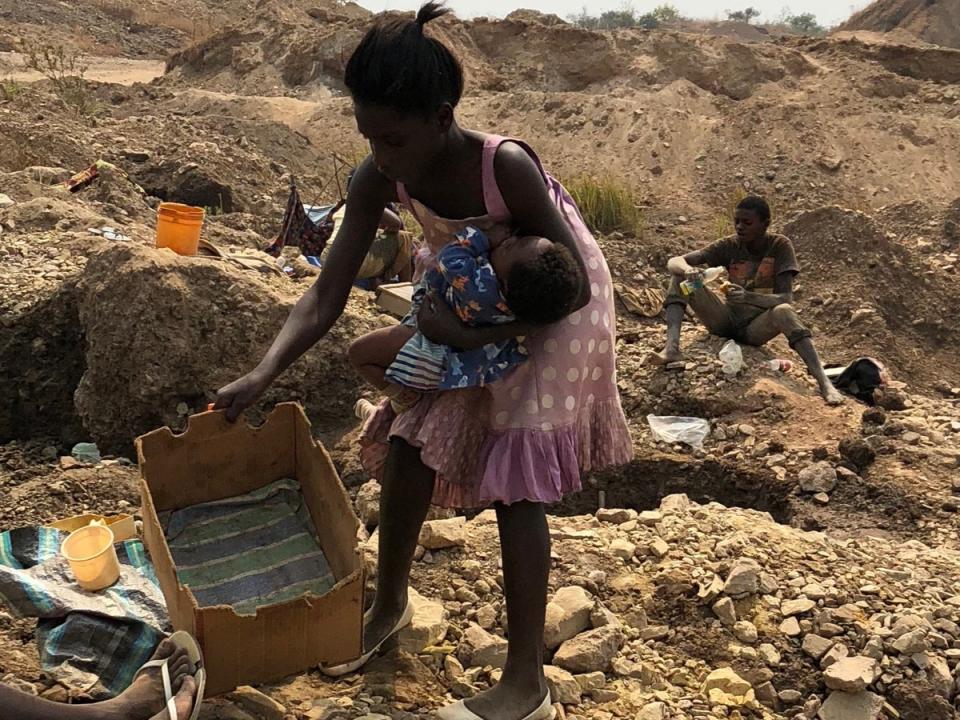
851, 139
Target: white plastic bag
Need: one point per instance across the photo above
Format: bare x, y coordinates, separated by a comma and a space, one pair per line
671, 429
732, 358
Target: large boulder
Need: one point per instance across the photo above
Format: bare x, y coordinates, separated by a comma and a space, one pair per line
164, 332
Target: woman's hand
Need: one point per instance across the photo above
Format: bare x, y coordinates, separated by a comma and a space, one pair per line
241, 394
439, 323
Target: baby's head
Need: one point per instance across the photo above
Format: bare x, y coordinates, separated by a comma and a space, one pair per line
541, 280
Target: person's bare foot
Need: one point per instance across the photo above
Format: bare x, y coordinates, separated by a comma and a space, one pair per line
183, 700
832, 396
507, 701
377, 626
144, 698
664, 357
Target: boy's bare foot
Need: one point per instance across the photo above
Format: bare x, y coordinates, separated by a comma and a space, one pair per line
144, 698
832, 396
664, 357
183, 700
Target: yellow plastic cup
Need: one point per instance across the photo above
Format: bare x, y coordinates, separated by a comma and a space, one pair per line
92, 556
178, 227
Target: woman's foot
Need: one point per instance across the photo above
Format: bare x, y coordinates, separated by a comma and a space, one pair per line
183, 701
508, 701
666, 356
831, 395
379, 625
144, 698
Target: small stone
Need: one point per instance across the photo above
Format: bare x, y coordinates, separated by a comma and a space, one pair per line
655, 632
817, 478
478, 648
796, 607
821, 498
852, 674
769, 654
658, 548
725, 687
790, 627
790, 697
911, 643
653, 711
623, 549
939, 677
650, 517
568, 614
440, 534
57, 693
589, 682
616, 516
857, 452
725, 611
766, 693
745, 632
563, 686
744, 578
6, 201
816, 646
368, 503
846, 706
428, 626
257, 704
676, 502
591, 651
747, 430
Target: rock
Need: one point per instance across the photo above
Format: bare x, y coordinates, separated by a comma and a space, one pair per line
790, 697
911, 643
623, 549
478, 648
816, 646
790, 627
6, 201
48, 175
846, 706
591, 651
817, 478
939, 677
769, 654
127, 287
725, 687
368, 503
86, 453
653, 711
440, 534
745, 632
677, 502
136, 155
428, 626
589, 682
857, 452
563, 687
568, 614
834, 654
796, 607
658, 548
725, 611
744, 578
874, 416
766, 693
257, 704
601, 616
650, 517
889, 398
852, 674
616, 516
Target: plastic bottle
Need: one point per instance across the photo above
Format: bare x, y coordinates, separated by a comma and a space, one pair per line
732, 358
710, 275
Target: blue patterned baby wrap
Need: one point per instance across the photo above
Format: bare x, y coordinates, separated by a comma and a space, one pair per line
465, 278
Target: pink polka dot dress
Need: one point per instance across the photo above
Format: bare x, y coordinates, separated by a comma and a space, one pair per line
530, 435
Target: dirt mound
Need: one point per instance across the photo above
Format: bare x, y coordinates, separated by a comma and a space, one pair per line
933, 21
162, 335
524, 52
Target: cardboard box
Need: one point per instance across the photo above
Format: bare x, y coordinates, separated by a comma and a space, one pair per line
214, 460
395, 298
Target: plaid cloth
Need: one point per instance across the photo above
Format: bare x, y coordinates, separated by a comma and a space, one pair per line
307, 228
93, 643
255, 549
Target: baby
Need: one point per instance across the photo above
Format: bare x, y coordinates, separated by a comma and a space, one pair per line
529, 279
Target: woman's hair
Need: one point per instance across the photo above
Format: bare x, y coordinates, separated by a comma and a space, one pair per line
397, 66
543, 290
757, 204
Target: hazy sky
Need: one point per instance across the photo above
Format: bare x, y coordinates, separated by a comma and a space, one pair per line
828, 12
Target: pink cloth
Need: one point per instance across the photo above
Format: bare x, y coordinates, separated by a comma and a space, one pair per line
531, 434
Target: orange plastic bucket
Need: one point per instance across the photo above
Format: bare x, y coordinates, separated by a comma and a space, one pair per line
178, 227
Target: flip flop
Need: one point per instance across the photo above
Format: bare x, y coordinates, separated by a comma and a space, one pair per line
354, 665
183, 640
460, 711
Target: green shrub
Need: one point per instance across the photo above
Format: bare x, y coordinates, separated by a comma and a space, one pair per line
607, 204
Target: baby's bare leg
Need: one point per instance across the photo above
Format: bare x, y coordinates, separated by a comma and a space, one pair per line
374, 352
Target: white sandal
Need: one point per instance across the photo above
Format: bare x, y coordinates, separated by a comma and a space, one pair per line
186, 641
354, 665
460, 711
